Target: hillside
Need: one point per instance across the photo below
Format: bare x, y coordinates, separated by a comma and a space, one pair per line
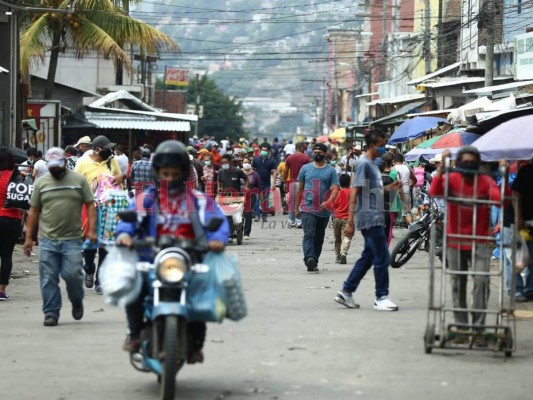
262, 48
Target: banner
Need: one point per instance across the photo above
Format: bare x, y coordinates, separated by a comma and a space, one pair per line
176, 77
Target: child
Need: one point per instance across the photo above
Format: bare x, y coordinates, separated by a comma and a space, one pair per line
340, 207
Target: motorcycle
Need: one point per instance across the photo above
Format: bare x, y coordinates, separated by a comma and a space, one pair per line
165, 339
418, 237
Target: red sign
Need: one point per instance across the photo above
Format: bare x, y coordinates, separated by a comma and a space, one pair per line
176, 77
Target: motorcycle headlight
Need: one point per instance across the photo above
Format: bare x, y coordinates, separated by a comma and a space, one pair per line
172, 267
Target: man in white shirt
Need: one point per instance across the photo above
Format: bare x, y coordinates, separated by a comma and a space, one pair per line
122, 159
289, 148
408, 179
348, 160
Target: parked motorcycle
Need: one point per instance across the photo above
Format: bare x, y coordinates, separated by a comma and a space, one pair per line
165, 340
418, 237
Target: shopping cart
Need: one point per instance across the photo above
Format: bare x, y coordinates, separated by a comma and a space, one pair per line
490, 328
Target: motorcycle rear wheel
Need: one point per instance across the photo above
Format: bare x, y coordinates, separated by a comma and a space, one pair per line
405, 249
171, 364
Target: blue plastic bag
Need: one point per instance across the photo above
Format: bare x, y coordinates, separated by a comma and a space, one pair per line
229, 277
205, 297
217, 293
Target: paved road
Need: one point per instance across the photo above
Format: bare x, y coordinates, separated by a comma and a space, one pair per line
296, 343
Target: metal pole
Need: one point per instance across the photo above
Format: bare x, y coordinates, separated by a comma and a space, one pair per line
384, 45
197, 102
489, 23
323, 116
427, 36
336, 94
440, 41
164, 88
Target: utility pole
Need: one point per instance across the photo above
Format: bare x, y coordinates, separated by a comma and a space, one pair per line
489, 25
336, 94
197, 102
440, 41
427, 36
384, 45
323, 116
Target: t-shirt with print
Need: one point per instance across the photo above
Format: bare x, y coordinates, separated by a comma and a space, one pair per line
369, 211
41, 169
317, 181
60, 202
230, 181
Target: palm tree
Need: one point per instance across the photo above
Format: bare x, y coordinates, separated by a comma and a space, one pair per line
99, 26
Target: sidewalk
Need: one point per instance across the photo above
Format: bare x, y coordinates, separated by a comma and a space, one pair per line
297, 343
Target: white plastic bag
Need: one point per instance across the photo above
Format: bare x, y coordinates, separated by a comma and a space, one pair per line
121, 282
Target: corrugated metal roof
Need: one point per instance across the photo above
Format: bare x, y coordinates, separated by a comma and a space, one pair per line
435, 74
174, 126
491, 89
400, 112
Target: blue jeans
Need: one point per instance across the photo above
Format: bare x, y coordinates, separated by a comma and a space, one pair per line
375, 253
314, 231
507, 235
264, 203
60, 258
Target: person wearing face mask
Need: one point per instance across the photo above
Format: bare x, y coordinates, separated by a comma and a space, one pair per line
318, 182
173, 200
208, 176
56, 203
281, 182
367, 214
265, 167
252, 196
94, 168
229, 179
466, 182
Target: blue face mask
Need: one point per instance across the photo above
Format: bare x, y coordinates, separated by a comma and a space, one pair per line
382, 150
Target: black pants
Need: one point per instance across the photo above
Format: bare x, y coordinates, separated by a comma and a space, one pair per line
89, 266
135, 314
9, 233
248, 215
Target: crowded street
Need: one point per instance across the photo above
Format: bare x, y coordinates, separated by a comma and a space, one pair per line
296, 342
266, 199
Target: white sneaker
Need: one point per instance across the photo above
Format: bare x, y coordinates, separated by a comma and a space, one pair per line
346, 299
384, 304
247, 238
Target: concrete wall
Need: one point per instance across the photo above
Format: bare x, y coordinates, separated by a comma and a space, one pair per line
88, 74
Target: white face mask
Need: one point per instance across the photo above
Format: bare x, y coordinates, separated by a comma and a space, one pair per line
246, 166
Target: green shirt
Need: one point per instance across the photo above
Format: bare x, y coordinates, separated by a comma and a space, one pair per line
59, 202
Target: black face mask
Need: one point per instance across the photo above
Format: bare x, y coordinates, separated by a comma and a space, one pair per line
469, 165
105, 154
58, 173
319, 157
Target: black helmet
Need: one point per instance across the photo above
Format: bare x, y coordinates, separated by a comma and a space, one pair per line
172, 153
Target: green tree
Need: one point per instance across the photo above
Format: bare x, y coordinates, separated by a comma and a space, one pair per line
100, 26
222, 115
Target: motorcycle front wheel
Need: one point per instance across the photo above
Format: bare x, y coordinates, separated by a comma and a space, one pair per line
405, 249
171, 362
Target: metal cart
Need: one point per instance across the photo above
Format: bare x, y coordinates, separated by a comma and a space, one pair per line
495, 326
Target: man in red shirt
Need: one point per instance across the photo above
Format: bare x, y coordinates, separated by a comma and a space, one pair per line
466, 252
293, 165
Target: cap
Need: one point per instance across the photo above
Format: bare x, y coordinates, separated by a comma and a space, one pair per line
390, 146
83, 140
103, 141
321, 147
357, 147
146, 153
55, 157
203, 151
436, 159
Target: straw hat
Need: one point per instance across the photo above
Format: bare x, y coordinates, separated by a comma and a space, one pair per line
436, 159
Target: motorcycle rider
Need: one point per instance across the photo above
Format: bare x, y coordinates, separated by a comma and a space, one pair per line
168, 209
